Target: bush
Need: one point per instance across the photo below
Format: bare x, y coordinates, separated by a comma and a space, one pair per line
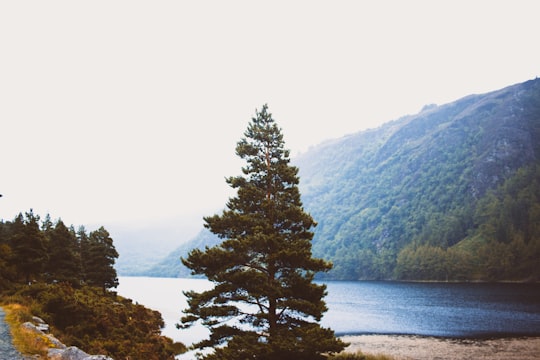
95, 322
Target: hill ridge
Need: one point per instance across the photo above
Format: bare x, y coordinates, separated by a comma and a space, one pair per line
416, 183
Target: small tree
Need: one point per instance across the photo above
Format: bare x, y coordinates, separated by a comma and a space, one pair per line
64, 262
99, 255
28, 244
264, 304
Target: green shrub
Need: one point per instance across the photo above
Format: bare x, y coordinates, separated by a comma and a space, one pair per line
98, 322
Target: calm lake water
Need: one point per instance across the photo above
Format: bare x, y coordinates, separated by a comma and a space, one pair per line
432, 309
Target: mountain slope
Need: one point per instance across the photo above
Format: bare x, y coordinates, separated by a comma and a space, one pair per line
386, 199
171, 266
417, 179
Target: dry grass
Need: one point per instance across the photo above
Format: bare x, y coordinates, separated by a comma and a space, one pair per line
360, 356
428, 348
25, 340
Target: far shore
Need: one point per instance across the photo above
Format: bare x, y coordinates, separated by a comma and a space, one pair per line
412, 347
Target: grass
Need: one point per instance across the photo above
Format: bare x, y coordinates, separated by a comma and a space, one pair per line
25, 340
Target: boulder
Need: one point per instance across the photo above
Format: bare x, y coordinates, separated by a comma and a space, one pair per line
40, 324
57, 350
29, 326
55, 342
49, 339
73, 353
69, 353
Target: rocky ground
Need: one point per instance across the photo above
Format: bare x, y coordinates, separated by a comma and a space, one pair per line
58, 351
7, 351
430, 348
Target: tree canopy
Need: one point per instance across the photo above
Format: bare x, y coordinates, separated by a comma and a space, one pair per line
48, 269
264, 303
54, 252
418, 185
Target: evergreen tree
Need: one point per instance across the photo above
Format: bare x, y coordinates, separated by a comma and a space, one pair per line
264, 304
99, 257
83, 241
47, 224
28, 244
63, 264
7, 269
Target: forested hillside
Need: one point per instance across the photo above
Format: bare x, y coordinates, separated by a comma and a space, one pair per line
415, 186
64, 276
450, 193
32, 250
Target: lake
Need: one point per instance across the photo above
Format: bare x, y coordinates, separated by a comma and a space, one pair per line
455, 310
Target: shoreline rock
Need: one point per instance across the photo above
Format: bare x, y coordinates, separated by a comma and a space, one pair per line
73, 353
58, 350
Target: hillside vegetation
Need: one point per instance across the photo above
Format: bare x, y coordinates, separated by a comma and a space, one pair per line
414, 199
451, 193
65, 277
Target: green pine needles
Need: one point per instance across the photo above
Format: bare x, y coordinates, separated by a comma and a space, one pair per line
264, 304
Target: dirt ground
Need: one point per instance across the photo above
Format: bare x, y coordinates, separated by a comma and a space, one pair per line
429, 348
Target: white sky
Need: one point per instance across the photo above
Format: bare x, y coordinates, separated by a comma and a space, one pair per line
130, 110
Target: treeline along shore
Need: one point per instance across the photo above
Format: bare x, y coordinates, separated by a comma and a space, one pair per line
66, 276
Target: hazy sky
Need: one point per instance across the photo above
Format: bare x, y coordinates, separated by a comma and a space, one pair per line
130, 110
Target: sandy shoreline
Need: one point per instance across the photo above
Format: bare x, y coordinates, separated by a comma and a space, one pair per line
403, 347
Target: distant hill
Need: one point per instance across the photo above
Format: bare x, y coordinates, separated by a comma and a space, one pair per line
171, 266
451, 193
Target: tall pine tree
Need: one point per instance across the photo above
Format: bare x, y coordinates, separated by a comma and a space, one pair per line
264, 304
28, 244
99, 255
64, 261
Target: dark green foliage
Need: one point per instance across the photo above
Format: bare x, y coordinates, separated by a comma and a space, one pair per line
7, 269
504, 244
71, 272
508, 222
63, 263
264, 304
97, 323
98, 260
28, 244
416, 183
56, 253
